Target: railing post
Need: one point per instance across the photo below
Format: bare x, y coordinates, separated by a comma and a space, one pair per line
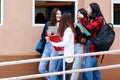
64, 69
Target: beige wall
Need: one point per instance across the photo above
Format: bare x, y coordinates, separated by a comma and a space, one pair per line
17, 33
81, 3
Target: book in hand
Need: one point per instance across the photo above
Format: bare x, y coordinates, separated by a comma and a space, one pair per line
85, 30
56, 38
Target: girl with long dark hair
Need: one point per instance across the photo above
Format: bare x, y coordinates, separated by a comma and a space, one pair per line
94, 25
67, 32
78, 49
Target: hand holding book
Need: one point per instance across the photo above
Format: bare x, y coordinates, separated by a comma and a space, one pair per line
55, 39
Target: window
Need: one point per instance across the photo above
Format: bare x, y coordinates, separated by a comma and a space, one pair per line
116, 12
42, 9
1, 12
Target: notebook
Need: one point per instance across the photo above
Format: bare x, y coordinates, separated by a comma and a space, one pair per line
56, 38
85, 30
53, 29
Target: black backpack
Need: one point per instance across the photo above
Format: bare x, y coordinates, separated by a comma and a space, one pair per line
105, 38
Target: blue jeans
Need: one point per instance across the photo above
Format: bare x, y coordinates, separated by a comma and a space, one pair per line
88, 46
60, 68
91, 61
78, 62
48, 52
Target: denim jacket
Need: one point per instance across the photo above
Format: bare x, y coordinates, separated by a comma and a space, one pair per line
44, 32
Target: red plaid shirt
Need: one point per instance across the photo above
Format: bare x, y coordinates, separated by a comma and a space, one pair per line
94, 27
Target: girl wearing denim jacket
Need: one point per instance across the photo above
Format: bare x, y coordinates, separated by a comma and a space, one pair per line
49, 50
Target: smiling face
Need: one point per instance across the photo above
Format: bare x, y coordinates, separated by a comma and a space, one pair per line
58, 15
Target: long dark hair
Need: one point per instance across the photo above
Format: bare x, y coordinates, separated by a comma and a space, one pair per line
83, 12
96, 12
53, 19
67, 20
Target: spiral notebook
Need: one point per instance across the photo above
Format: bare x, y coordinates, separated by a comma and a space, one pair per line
56, 38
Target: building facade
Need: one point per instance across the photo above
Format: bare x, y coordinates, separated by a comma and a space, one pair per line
19, 34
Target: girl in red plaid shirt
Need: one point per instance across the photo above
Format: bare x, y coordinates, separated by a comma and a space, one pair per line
94, 25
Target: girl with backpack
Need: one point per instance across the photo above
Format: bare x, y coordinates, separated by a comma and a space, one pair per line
94, 25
